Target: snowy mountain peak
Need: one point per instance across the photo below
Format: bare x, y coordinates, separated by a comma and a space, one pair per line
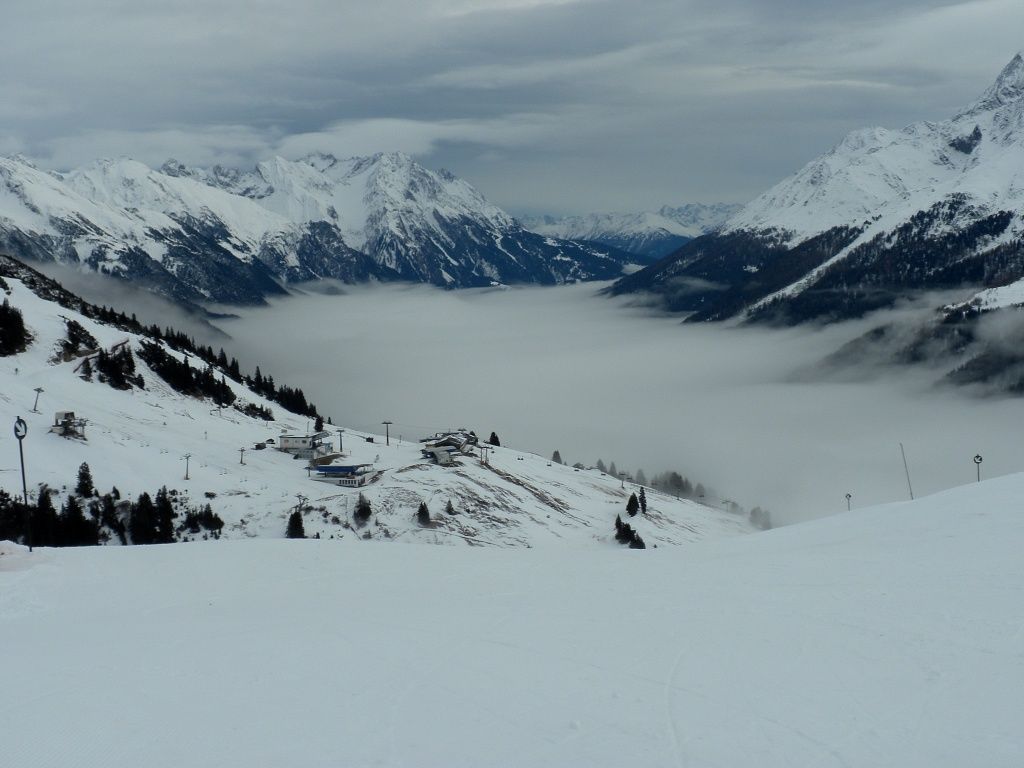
232, 235
936, 204
1007, 89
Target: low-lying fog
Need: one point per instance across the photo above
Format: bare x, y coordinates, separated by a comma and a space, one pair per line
559, 368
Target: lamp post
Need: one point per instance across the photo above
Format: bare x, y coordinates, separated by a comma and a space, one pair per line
20, 430
187, 457
241, 455
35, 405
387, 431
341, 444
977, 463
849, 496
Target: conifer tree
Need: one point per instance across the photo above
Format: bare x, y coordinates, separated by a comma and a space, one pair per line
44, 521
600, 466
556, 457
142, 524
493, 439
632, 505
318, 425
85, 372
76, 530
362, 511
296, 530
643, 500
448, 508
165, 515
423, 515
84, 486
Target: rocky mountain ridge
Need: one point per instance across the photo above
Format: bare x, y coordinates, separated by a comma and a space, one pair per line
231, 236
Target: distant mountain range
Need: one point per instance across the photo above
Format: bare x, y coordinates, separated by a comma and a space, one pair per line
884, 215
649, 235
225, 235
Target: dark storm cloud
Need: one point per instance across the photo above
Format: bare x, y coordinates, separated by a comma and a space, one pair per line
545, 104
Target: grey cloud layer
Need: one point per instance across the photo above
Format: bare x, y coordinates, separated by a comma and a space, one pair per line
555, 106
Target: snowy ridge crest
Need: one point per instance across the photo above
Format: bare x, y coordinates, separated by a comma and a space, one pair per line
235, 236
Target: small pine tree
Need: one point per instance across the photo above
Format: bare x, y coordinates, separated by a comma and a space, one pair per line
296, 530
643, 501
318, 425
493, 439
556, 457
84, 486
613, 470
448, 508
633, 505
85, 372
142, 525
600, 466
165, 515
423, 515
362, 512
637, 542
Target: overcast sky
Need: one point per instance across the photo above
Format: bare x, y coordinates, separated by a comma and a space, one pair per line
546, 105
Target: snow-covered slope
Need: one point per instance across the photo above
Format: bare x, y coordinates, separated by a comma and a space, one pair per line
648, 234
935, 205
136, 440
230, 236
883, 637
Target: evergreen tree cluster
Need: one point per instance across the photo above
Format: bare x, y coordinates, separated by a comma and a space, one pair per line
676, 485
117, 368
88, 519
183, 378
254, 411
624, 534
14, 336
205, 519
291, 399
77, 340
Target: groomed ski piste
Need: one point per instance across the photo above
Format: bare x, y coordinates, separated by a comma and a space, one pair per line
136, 440
889, 636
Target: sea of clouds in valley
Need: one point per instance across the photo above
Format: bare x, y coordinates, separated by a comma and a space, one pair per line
560, 368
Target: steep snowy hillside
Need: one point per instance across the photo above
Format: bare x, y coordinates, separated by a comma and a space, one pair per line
648, 234
936, 205
136, 439
882, 637
229, 236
